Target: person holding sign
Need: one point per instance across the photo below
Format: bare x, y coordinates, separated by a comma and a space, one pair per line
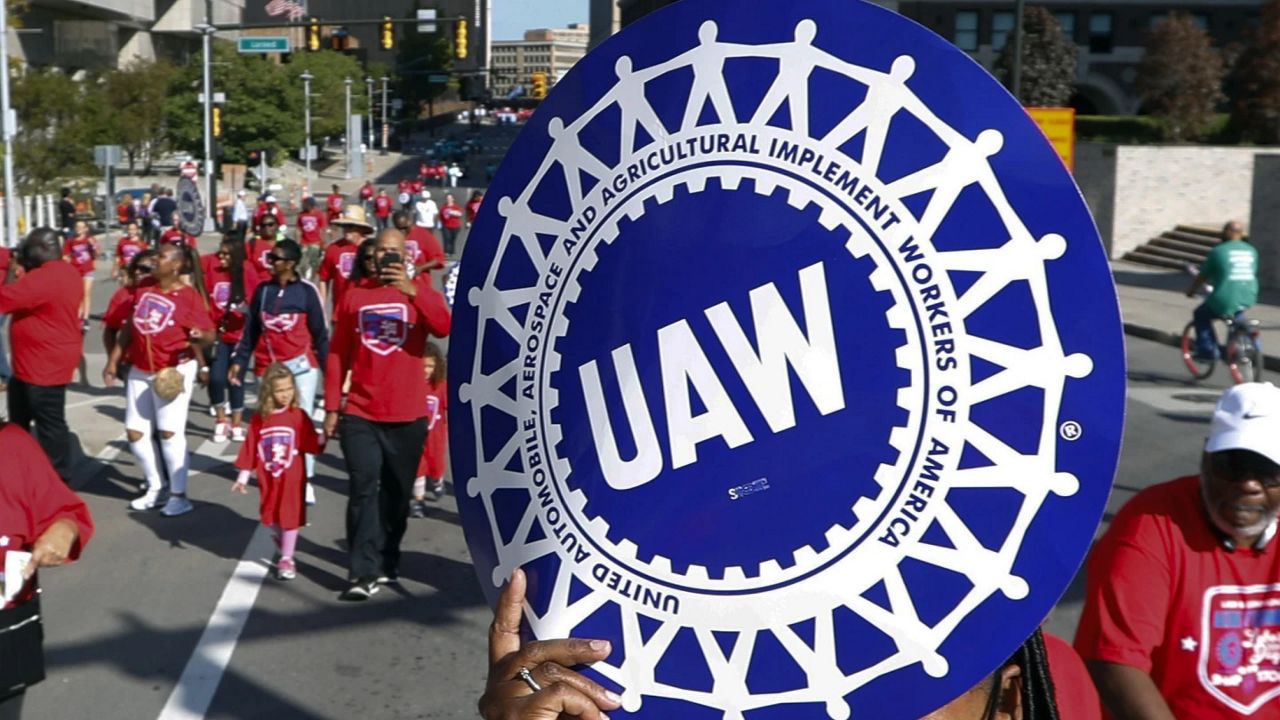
42, 524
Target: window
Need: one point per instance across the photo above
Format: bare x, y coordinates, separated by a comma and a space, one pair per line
1001, 26
1100, 33
966, 37
1068, 22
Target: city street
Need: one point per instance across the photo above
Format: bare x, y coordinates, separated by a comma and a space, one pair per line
145, 624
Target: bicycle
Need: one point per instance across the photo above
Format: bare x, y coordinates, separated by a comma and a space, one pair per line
1242, 351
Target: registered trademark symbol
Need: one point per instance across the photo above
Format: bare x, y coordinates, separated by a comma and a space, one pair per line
1070, 431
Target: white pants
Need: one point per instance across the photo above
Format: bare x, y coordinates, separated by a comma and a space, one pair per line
143, 411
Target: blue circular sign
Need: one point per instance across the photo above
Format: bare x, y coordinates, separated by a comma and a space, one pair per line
785, 356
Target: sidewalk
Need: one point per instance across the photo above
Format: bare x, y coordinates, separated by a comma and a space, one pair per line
1153, 306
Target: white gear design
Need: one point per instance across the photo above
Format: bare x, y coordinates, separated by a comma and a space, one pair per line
1048, 367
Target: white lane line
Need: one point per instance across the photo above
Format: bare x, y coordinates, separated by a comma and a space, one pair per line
194, 692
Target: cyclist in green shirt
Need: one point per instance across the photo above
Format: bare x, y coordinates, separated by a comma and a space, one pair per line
1232, 270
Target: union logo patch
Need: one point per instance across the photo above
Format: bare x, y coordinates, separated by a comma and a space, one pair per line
282, 323
384, 327
1240, 645
153, 313
764, 356
277, 446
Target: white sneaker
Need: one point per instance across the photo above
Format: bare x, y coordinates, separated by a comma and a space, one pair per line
177, 505
237, 433
148, 500
311, 494
220, 432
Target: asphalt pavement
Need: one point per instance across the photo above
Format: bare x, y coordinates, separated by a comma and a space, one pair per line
177, 618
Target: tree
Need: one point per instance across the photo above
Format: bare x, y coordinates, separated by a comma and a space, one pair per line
1048, 61
328, 90
1180, 78
55, 135
135, 109
1255, 110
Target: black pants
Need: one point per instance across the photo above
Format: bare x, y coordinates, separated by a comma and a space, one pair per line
11, 707
382, 459
46, 407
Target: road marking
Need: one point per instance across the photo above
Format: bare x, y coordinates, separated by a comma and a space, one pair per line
199, 682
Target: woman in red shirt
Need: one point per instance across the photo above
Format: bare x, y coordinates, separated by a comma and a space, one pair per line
229, 282
431, 466
473, 207
130, 244
82, 252
450, 223
168, 325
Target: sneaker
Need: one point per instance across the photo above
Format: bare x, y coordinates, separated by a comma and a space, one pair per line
220, 431
437, 489
148, 500
388, 576
360, 591
237, 433
417, 509
311, 494
286, 570
177, 505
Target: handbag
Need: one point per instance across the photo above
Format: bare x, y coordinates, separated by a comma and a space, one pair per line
21, 648
167, 383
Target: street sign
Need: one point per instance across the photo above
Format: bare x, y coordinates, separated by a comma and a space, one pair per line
106, 155
263, 44
438, 79
1059, 126
189, 169
190, 207
219, 98
427, 14
308, 153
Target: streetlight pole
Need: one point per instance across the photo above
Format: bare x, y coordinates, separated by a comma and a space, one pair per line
307, 77
9, 120
348, 140
206, 41
368, 83
386, 134
1018, 7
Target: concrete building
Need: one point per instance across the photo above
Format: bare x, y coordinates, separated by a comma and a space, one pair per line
550, 50
1110, 35
92, 34
606, 18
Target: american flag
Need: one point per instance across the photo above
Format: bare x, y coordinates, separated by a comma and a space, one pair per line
295, 10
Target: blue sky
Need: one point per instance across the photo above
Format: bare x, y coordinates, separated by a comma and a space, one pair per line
512, 17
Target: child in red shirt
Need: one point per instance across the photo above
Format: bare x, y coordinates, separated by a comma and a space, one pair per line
278, 436
127, 247
431, 466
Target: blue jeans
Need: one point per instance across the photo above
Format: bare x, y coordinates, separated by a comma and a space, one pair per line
6, 372
218, 385
1207, 340
306, 383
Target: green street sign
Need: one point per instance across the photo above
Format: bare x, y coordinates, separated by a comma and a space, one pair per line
263, 44
437, 78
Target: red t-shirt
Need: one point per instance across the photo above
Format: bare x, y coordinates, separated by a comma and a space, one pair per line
5, 256
415, 187
339, 261
160, 322
1165, 597
263, 210
309, 226
366, 192
175, 236
405, 185
33, 498
380, 335
451, 216
81, 252
382, 206
45, 307
127, 248
334, 204
256, 251
217, 282
432, 463
473, 209
423, 169
1072, 686
284, 333
274, 450
423, 248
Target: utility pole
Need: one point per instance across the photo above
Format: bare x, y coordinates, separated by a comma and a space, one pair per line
348, 140
206, 41
307, 77
1018, 7
9, 119
386, 133
368, 84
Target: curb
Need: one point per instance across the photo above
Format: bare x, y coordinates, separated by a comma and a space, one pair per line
1269, 362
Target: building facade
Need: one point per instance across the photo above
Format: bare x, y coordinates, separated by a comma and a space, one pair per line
551, 51
1110, 35
606, 17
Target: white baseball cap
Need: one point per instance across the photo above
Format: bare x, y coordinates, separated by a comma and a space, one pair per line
269, 198
1247, 417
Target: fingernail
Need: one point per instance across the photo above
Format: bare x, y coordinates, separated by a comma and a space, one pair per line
613, 697
600, 645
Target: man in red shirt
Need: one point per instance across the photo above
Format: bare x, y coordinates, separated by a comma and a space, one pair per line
268, 208
311, 225
382, 209
380, 336
422, 249
47, 342
340, 257
1182, 606
334, 204
367, 191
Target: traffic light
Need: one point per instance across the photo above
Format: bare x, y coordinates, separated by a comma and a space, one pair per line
539, 86
217, 121
388, 35
460, 40
338, 39
313, 35
255, 157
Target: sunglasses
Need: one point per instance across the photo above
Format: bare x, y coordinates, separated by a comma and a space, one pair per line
276, 258
1239, 465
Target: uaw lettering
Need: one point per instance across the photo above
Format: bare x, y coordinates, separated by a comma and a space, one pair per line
1240, 646
755, 335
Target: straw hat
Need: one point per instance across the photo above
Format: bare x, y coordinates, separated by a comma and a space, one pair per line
354, 216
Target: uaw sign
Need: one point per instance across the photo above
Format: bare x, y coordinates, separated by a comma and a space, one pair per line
787, 358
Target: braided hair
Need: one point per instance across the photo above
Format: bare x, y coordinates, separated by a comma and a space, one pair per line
1039, 701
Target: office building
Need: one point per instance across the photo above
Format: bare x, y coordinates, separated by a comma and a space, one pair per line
550, 50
